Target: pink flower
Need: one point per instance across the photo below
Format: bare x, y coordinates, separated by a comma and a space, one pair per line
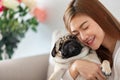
20, 1
1, 6
40, 14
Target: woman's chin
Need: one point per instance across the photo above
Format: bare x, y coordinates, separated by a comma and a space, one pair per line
94, 47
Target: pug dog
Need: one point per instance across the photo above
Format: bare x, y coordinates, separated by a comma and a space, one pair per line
66, 50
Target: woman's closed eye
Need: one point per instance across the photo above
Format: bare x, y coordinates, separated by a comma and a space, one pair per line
85, 27
75, 34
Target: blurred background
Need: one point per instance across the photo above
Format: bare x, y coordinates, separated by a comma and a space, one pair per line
36, 43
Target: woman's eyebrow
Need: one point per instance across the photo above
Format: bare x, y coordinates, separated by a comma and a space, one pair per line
83, 23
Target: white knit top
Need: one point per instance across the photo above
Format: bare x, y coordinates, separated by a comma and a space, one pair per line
116, 65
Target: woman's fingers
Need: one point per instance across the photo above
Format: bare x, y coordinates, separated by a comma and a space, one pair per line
95, 77
99, 77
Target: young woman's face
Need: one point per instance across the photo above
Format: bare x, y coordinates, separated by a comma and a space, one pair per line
87, 31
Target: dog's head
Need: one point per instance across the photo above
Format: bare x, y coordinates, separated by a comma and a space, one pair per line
67, 46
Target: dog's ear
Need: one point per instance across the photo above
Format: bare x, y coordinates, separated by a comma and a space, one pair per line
72, 37
54, 51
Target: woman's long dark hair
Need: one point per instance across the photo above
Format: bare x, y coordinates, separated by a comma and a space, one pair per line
95, 10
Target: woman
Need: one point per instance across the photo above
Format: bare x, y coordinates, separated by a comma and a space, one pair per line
94, 26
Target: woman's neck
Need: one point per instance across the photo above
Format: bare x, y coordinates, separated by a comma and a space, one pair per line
109, 43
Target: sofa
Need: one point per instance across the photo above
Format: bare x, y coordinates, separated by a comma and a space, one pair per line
37, 67
28, 68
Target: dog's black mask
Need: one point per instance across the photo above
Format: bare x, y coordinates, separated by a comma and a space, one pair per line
69, 48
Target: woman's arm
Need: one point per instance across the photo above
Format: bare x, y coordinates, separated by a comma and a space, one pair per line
88, 70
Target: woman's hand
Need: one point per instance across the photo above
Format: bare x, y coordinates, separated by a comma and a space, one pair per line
86, 69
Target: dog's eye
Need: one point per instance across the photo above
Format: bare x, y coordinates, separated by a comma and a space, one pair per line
67, 37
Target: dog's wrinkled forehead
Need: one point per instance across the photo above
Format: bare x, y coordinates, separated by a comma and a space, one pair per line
65, 38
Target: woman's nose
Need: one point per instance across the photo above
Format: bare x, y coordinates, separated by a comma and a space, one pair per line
83, 36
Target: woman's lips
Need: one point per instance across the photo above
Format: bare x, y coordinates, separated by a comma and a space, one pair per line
90, 40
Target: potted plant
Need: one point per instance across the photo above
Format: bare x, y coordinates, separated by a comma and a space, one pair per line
13, 25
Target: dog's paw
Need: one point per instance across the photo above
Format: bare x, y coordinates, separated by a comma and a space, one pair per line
106, 68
